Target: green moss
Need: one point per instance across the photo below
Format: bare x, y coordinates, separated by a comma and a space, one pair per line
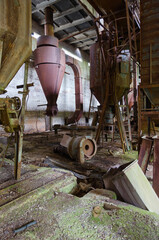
130, 155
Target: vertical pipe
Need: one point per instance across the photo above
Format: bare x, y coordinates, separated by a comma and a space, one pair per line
48, 26
19, 134
150, 63
139, 118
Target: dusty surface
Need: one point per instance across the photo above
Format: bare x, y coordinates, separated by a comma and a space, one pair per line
42, 195
63, 216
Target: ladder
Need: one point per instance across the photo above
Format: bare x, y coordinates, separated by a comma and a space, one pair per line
130, 15
125, 141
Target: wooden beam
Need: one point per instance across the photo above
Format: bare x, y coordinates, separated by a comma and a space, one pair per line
89, 42
43, 5
73, 24
1, 50
83, 39
85, 48
75, 33
69, 11
88, 8
59, 15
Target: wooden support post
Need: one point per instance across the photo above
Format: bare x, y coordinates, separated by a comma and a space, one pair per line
19, 133
150, 63
129, 123
1, 51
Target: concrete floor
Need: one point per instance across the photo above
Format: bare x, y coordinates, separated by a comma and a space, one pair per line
51, 197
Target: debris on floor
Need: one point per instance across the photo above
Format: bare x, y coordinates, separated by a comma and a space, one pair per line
67, 199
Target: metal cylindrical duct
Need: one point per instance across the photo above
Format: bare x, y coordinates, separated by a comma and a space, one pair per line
50, 64
150, 46
48, 26
78, 148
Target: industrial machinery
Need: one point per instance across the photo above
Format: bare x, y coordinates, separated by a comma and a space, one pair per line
49, 63
15, 48
80, 149
9, 114
109, 81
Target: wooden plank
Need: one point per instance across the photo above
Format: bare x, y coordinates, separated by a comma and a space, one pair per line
83, 39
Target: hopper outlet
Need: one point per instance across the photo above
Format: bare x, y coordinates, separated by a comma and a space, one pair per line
50, 67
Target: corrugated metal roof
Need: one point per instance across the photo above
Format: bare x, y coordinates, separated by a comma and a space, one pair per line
69, 17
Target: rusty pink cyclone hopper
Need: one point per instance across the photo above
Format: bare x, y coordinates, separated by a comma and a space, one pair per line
50, 67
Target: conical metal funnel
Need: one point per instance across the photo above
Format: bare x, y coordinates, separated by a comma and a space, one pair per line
50, 67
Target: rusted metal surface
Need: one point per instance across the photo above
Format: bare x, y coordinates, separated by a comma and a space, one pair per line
48, 26
47, 40
156, 166
150, 47
19, 131
106, 79
73, 128
8, 114
15, 33
78, 91
50, 65
98, 74
79, 148
145, 153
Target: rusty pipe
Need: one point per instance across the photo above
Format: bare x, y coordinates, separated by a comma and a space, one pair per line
48, 26
78, 148
78, 91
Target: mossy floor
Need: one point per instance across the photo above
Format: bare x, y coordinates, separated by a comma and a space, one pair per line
44, 195
62, 216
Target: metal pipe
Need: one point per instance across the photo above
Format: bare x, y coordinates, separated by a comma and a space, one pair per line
78, 148
78, 92
74, 127
19, 134
48, 26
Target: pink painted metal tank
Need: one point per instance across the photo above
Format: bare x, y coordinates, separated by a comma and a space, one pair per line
49, 65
